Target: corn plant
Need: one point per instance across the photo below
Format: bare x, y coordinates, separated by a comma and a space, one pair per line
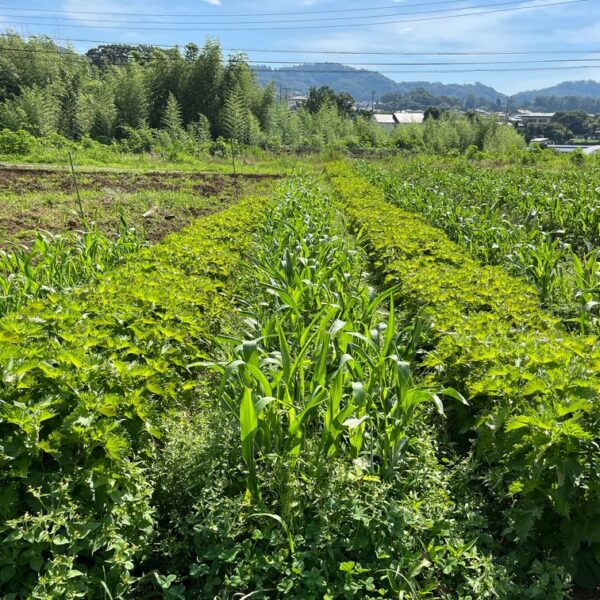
58, 262
320, 360
512, 217
586, 271
542, 264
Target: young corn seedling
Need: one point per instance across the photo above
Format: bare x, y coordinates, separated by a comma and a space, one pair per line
55, 262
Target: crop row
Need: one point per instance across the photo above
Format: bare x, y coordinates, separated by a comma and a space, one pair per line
539, 223
344, 492
57, 263
84, 380
530, 385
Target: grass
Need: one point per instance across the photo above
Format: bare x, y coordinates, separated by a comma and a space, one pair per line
155, 213
248, 162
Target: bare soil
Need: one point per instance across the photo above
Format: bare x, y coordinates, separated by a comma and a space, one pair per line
108, 196
25, 179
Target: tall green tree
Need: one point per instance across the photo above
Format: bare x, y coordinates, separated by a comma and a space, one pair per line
131, 95
576, 121
171, 121
203, 85
34, 110
234, 117
165, 74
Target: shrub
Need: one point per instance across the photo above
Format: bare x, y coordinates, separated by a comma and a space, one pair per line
578, 157
220, 148
16, 143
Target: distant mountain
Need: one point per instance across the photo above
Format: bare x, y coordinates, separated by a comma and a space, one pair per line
582, 89
361, 83
298, 79
454, 90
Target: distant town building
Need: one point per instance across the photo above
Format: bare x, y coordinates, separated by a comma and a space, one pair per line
386, 121
526, 117
391, 120
542, 141
296, 102
408, 116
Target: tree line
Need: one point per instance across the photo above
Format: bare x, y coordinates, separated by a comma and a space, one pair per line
147, 95
45, 88
192, 100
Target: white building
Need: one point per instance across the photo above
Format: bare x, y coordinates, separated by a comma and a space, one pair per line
387, 121
296, 102
526, 117
406, 117
391, 120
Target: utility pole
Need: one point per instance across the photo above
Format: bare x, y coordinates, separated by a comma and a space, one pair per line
372, 101
507, 105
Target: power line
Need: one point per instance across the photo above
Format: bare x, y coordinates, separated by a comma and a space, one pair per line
418, 64
263, 22
350, 64
373, 53
304, 27
44, 38
76, 58
254, 14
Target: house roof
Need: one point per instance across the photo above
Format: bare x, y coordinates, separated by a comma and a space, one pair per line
526, 113
384, 119
409, 117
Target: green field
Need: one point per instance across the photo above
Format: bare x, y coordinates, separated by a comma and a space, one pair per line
312, 378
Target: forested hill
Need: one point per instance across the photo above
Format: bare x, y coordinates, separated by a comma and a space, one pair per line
581, 89
362, 83
298, 79
453, 90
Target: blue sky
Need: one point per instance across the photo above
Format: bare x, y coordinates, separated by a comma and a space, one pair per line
547, 27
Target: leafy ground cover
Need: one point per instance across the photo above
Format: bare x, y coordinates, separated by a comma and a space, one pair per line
541, 222
531, 386
85, 379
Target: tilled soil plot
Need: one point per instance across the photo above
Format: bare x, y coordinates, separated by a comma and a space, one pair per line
46, 200
25, 179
